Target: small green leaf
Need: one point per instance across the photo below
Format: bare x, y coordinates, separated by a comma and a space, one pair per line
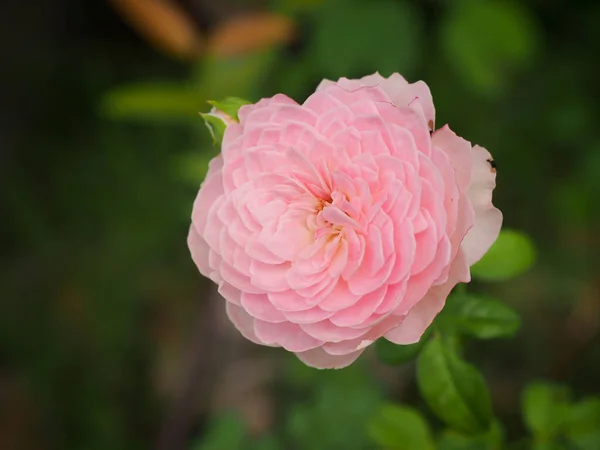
453, 389
583, 424
545, 409
478, 316
230, 106
452, 440
151, 101
394, 354
216, 127
400, 427
512, 254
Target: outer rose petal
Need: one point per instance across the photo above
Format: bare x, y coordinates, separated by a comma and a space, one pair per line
401, 92
416, 95
488, 219
199, 250
243, 322
320, 359
459, 152
287, 335
421, 316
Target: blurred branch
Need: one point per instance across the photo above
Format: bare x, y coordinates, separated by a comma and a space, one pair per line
250, 33
164, 24
172, 30
206, 347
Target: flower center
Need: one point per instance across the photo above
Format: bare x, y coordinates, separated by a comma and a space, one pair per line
333, 214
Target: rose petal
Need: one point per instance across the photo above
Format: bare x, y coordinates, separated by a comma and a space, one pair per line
320, 359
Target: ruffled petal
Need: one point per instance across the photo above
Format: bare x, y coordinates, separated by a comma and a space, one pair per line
287, 335
422, 314
488, 219
320, 359
243, 322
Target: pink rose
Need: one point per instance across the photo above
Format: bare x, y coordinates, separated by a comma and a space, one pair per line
330, 224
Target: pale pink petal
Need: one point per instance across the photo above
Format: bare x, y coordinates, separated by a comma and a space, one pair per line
459, 152
488, 219
289, 300
199, 250
422, 314
269, 277
339, 298
350, 93
416, 95
392, 298
287, 335
407, 118
210, 191
259, 307
267, 104
314, 314
346, 347
322, 102
328, 332
361, 310
235, 278
230, 293
320, 359
243, 322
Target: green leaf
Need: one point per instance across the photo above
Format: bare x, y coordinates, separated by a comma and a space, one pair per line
545, 409
155, 102
453, 389
339, 46
394, 354
488, 40
452, 440
583, 424
400, 427
478, 316
216, 127
512, 254
230, 106
226, 432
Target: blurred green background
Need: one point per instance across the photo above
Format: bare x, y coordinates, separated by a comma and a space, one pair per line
109, 337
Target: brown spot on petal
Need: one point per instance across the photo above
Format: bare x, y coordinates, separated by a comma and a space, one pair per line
492, 165
430, 124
